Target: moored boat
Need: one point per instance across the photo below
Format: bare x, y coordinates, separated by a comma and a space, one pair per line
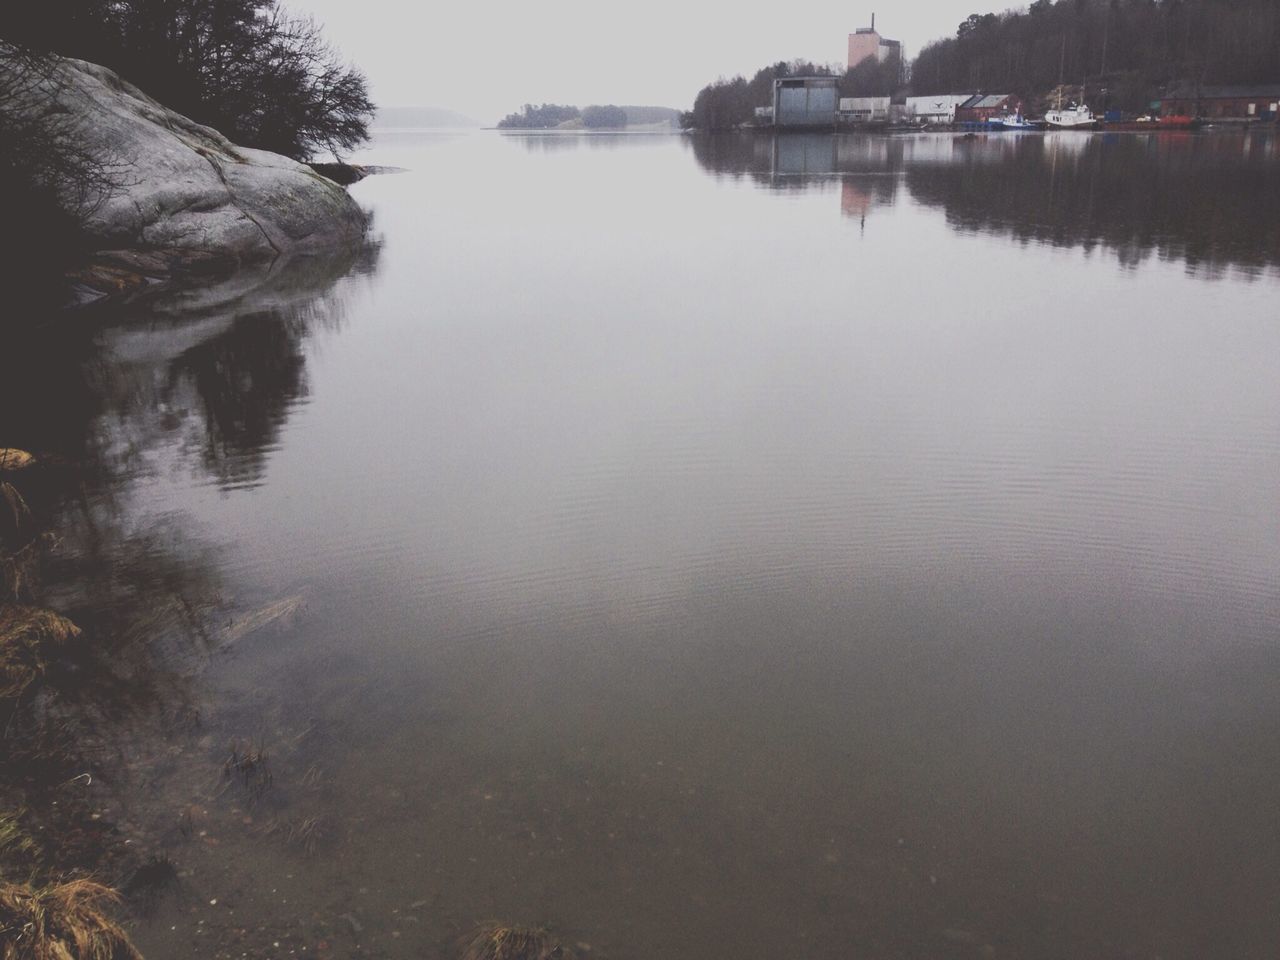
1013, 121
1071, 117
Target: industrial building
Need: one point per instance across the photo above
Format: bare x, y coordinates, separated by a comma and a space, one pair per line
865, 43
1256, 102
939, 108
864, 109
800, 102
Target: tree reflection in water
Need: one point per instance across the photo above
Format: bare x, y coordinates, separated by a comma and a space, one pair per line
1209, 200
221, 365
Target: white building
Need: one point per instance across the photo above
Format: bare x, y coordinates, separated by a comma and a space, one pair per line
864, 109
938, 108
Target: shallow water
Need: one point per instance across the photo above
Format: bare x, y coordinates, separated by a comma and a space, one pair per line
819, 547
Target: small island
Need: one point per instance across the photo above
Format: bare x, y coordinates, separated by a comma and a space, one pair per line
554, 116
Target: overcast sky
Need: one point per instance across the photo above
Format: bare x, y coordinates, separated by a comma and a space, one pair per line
487, 59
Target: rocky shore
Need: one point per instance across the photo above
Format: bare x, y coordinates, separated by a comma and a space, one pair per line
183, 198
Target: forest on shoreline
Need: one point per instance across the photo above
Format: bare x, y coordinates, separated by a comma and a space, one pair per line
1135, 50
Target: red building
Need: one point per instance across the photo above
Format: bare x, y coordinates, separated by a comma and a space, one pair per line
980, 108
1256, 102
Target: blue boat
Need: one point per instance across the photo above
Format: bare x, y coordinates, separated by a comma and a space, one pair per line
1013, 121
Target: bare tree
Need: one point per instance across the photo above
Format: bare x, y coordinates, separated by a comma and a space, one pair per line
49, 184
248, 68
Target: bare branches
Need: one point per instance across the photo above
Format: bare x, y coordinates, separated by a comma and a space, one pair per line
248, 68
49, 183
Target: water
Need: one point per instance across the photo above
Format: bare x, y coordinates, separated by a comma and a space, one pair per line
731, 548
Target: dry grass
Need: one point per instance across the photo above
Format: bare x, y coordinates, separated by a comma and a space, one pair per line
496, 942
19, 571
12, 460
65, 921
30, 640
14, 511
16, 846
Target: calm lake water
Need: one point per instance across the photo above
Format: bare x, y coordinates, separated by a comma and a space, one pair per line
821, 547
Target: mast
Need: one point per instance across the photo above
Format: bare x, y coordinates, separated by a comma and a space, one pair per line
1106, 32
1062, 66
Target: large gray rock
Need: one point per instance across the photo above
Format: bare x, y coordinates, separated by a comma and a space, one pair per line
185, 193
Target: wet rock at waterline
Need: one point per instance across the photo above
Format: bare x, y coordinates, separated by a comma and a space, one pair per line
183, 196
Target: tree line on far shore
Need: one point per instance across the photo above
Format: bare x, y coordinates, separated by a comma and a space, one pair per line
1135, 49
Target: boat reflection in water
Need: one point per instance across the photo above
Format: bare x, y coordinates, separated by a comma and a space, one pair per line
1209, 201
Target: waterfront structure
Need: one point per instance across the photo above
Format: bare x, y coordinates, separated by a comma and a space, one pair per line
864, 109
865, 43
982, 107
805, 102
1253, 102
938, 108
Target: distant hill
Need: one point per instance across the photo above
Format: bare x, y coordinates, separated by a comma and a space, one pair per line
420, 117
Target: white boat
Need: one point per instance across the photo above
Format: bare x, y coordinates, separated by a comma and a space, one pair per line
1071, 117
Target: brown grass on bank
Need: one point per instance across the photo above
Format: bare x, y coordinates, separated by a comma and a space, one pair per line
65, 921
496, 942
30, 639
16, 845
12, 460
14, 511
19, 571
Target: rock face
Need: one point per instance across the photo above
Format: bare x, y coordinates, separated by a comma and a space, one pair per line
186, 195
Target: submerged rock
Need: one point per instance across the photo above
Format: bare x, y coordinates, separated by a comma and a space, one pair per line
185, 198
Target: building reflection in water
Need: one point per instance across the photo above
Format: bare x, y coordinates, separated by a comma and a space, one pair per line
1210, 201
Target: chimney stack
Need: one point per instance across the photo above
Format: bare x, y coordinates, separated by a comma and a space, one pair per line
873, 23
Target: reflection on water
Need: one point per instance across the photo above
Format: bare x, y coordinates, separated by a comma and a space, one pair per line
246, 380
1211, 201
217, 365
758, 563
554, 141
90, 397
